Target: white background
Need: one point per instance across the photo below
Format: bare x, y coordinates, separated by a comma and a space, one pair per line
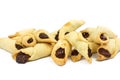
16, 15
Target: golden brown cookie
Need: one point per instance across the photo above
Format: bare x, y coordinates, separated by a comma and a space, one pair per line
108, 50
75, 55
100, 35
70, 26
43, 36
80, 44
24, 37
60, 52
28, 40
40, 50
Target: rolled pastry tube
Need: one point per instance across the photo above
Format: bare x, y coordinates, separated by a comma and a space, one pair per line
70, 26
95, 35
106, 30
60, 52
109, 50
40, 50
10, 45
24, 37
28, 40
80, 45
43, 36
75, 55
22, 32
100, 35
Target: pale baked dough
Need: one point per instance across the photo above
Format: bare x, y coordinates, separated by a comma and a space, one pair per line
109, 50
94, 34
40, 50
75, 55
79, 43
9, 45
63, 55
47, 38
28, 40
93, 46
70, 26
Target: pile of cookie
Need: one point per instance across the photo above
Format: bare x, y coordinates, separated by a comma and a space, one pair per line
31, 44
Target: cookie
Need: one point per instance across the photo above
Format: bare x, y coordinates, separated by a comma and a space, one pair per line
43, 36
60, 52
28, 40
70, 26
80, 44
75, 55
40, 50
100, 35
24, 37
109, 50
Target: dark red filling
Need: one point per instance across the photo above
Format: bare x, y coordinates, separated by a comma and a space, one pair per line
104, 52
22, 57
60, 53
